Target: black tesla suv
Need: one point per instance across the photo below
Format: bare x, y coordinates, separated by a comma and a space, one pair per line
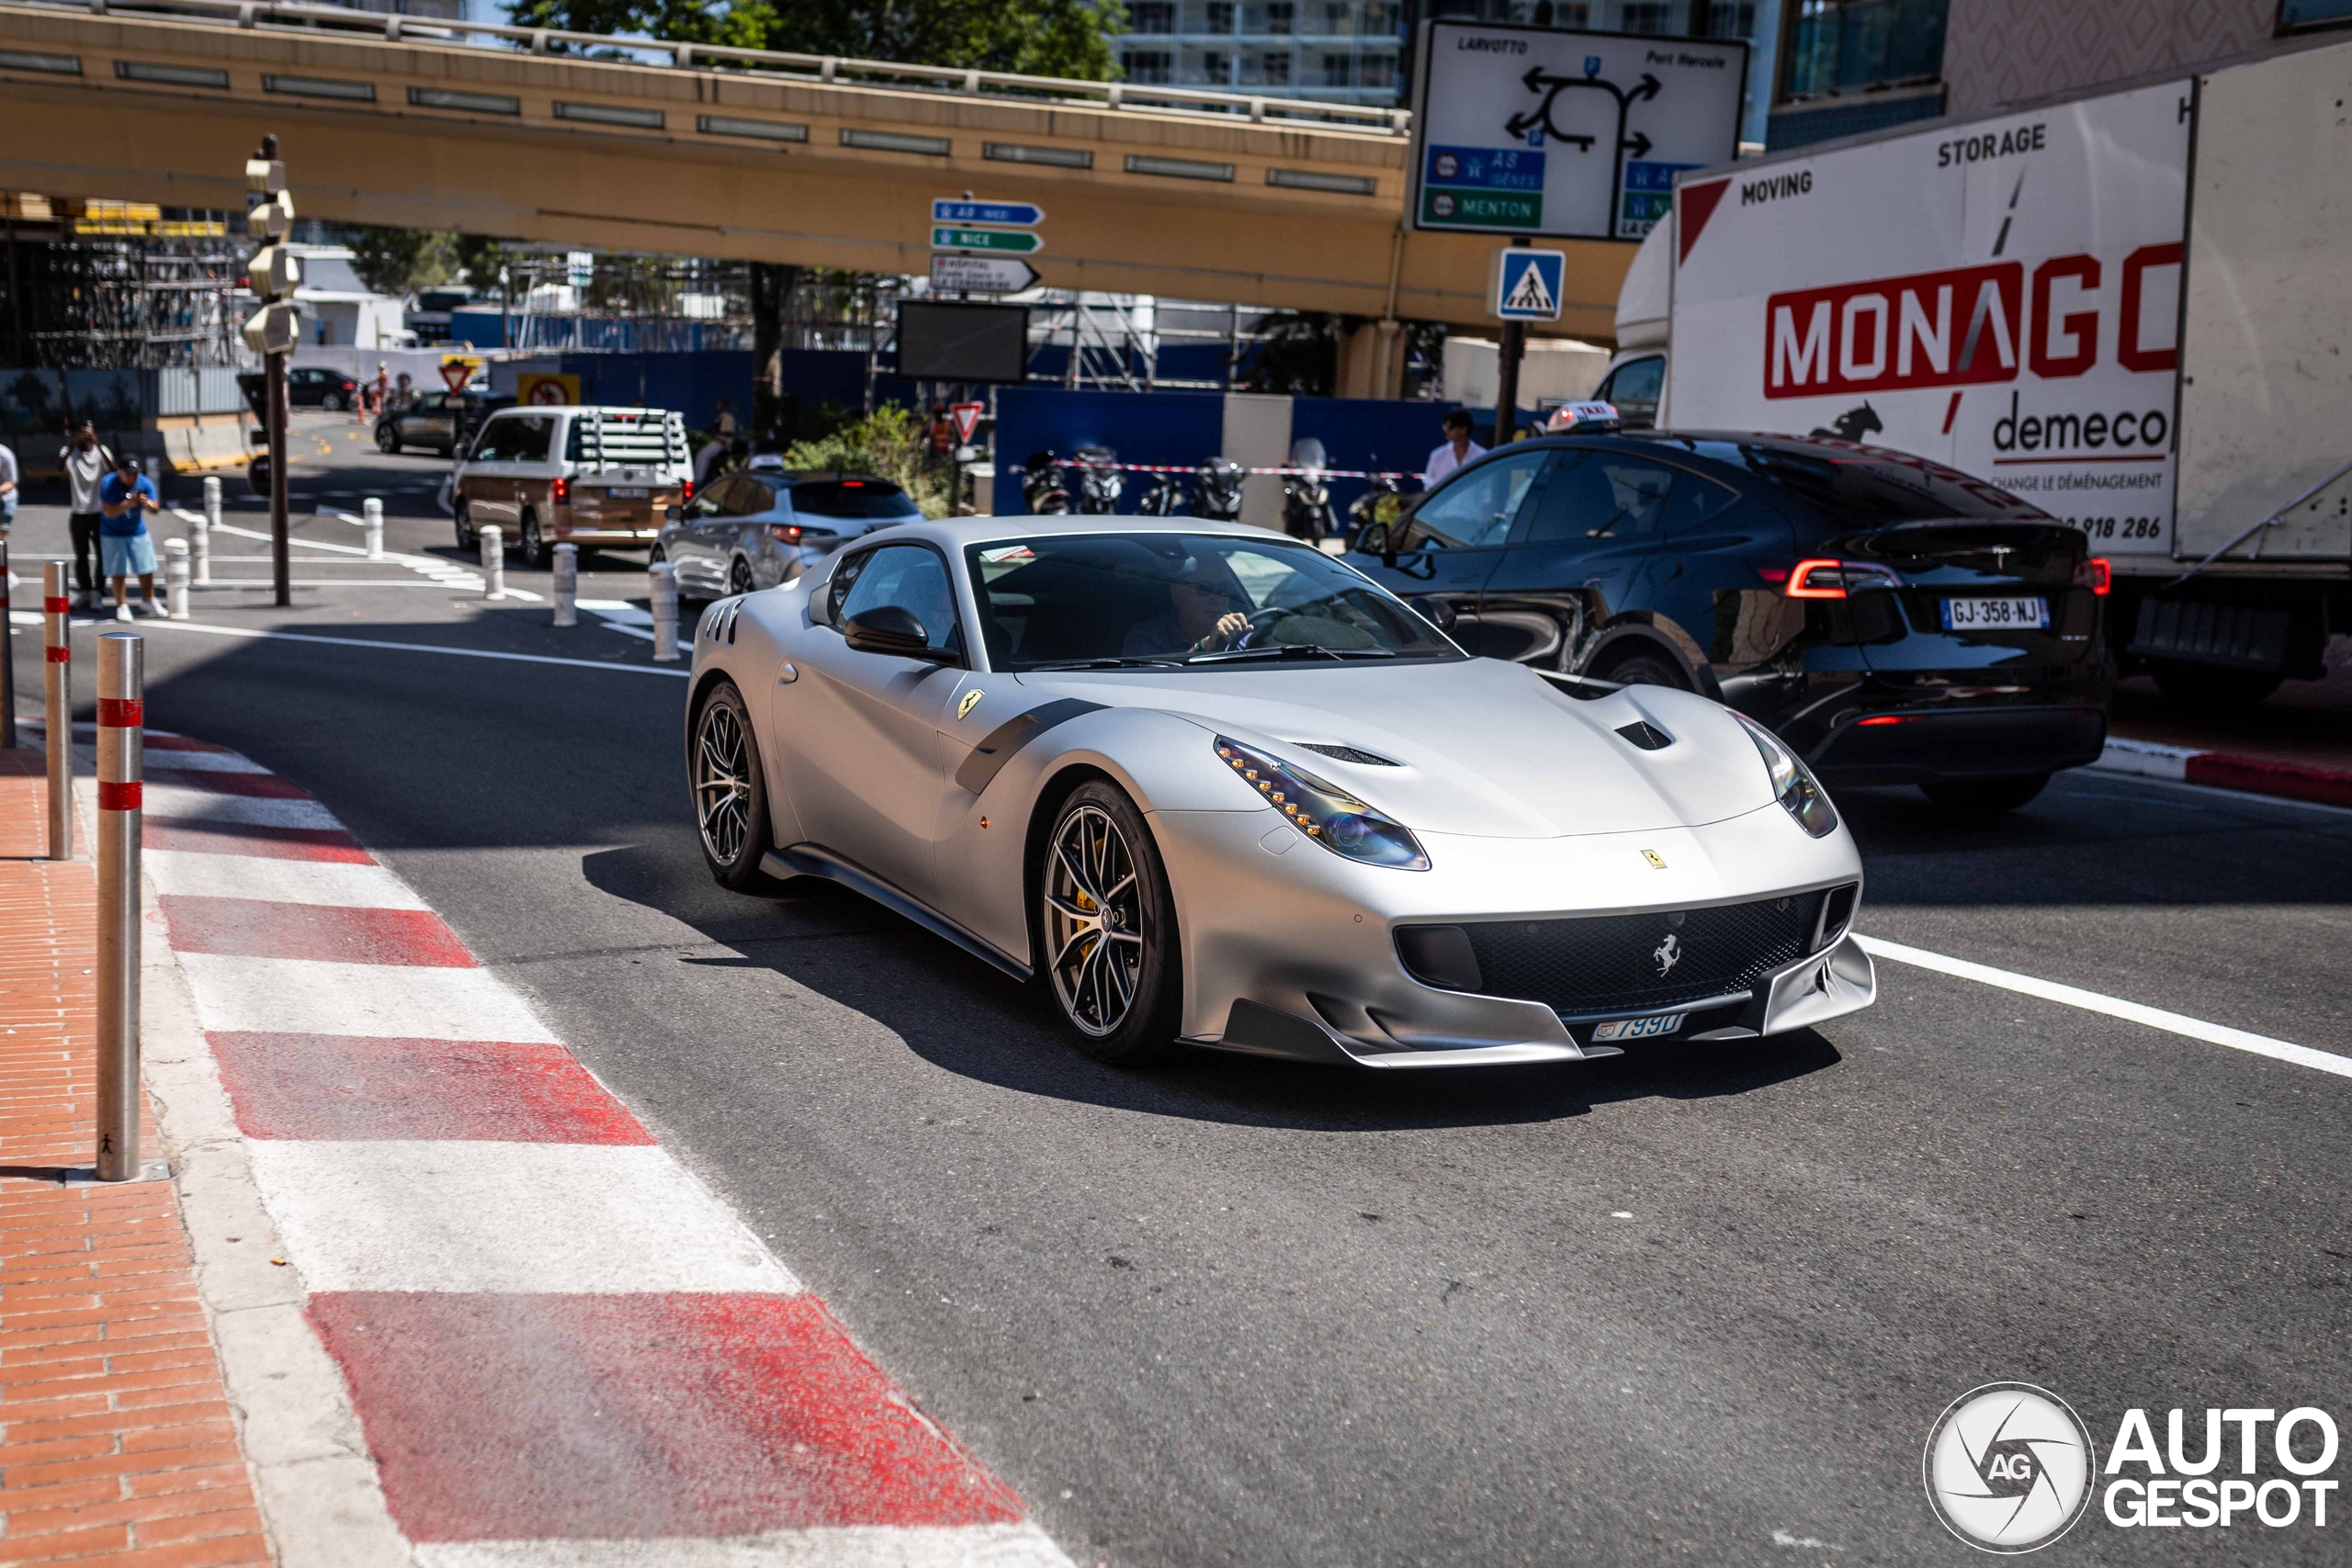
1898, 622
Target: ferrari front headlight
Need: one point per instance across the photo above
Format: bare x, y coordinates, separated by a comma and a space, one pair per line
1325, 812
1793, 783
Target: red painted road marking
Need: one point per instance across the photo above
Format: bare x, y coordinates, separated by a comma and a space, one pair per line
338, 1086
255, 838
260, 928
570, 1417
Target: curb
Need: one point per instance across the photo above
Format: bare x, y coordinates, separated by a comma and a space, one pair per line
2221, 770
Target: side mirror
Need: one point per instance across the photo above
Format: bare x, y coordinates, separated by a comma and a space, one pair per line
1374, 540
1438, 612
892, 629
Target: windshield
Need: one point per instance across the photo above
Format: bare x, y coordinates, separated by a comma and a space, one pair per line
855, 498
1195, 599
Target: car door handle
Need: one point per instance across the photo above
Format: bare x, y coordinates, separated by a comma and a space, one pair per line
785, 675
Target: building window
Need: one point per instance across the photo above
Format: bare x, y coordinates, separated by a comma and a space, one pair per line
1148, 67
1281, 17
1277, 70
1379, 16
1726, 18
1339, 18
1220, 16
1216, 67
1647, 16
1153, 17
1838, 45
1336, 72
1379, 69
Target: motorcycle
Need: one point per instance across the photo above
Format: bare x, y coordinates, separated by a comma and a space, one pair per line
1164, 497
1042, 486
1216, 489
1307, 496
1380, 502
1098, 481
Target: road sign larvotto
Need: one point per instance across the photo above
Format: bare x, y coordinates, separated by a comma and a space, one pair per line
1004, 242
1566, 135
955, 273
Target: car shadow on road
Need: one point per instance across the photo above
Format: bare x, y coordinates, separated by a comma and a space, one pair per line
964, 1017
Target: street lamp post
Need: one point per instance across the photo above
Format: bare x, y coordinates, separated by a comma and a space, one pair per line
276, 273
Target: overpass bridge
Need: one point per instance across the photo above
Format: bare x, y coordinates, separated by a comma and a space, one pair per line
631, 144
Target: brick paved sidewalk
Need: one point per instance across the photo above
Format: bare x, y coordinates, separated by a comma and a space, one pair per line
116, 1445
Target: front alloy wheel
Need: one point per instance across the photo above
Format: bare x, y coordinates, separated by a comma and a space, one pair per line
731, 802
738, 577
464, 519
1109, 928
535, 547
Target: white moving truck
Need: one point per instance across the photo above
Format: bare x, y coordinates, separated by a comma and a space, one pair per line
2131, 307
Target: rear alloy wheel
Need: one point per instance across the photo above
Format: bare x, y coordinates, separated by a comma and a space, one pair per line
464, 518
1109, 942
388, 439
1646, 670
331, 403
2202, 688
738, 577
730, 797
1985, 797
534, 553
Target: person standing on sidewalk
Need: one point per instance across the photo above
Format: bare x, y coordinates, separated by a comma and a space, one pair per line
125, 497
1457, 450
86, 463
7, 491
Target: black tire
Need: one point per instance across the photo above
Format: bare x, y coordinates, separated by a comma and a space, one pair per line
1122, 992
738, 577
388, 439
1646, 670
2203, 689
531, 547
729, 792
1985, 797
331, 403
462, 515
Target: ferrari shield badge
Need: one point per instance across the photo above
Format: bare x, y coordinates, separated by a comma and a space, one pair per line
1658, 860
971, 700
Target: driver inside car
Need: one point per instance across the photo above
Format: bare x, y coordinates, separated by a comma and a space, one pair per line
1205, 615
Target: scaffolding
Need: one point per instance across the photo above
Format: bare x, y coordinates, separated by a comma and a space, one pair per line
142, 301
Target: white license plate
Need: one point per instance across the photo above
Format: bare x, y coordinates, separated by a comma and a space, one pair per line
633, 492
1637, 1028
1995, 615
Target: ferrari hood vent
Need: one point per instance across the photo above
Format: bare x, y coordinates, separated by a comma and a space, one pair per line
1645, 735
1349, 754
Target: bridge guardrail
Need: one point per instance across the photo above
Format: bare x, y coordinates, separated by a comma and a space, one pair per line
991, 86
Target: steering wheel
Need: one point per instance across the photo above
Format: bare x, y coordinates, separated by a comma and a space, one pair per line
1259, 621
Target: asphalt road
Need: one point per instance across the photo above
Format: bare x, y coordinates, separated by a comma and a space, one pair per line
1698, 1304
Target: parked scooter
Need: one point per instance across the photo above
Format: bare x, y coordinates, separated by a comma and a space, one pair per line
1098, 481
1043, 485
1164, 497
1380, 502
1307, 496
1216, 489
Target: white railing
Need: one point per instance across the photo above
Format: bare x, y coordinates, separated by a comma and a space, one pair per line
996, 86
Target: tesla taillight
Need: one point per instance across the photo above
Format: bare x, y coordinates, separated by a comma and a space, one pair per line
2096, 574
1823, 579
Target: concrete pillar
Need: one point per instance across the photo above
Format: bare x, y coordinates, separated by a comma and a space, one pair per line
1371, 362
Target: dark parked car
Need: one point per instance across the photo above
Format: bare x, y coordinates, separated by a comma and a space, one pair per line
1897, 621
308, 387
442, 422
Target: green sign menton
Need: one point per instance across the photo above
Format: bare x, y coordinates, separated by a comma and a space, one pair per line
1005, 241
1482, 208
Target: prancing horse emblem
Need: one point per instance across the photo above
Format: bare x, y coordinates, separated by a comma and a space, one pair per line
971, 700
1669, 953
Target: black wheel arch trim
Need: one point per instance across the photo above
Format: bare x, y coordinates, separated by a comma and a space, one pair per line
1005, 743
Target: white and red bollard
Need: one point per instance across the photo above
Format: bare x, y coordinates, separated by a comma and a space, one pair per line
661, 588
567, 585
371, 526
493, 562
121, 761
57, 695
176, 578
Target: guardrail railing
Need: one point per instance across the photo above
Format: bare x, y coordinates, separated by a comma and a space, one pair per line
993, 85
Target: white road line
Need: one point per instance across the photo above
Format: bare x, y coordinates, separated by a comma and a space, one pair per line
543, 1218
382, 1001
834, 1546
274, 880
2114, 1007
257, 632
202, 762
430, 566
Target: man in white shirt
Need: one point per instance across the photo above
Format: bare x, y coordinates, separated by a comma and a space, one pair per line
86, 463
1458, 448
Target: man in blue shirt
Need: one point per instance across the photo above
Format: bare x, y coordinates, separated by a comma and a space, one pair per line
125, 497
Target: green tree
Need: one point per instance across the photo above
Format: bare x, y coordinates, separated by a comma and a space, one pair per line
1046, 38
891, 443
393, 261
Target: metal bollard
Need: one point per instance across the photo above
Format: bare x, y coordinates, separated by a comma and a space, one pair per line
661, 582
121, 718
372, 526
57, 695
493, 562
203, 540
176, 578
567, 585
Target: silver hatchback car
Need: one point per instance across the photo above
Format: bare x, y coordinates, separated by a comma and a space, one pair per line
759, 528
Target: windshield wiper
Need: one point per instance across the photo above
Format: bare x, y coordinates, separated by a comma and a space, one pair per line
1291, 651
1130, 661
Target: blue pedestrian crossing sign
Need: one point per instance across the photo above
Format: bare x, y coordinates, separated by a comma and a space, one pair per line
1527, 283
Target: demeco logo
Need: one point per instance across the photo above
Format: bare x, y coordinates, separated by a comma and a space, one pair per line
2008, 1467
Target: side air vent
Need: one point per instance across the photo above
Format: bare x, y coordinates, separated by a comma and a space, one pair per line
1837, 913
1645, 735
1350, 754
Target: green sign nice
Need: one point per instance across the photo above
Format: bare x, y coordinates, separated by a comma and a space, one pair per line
1006, 242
